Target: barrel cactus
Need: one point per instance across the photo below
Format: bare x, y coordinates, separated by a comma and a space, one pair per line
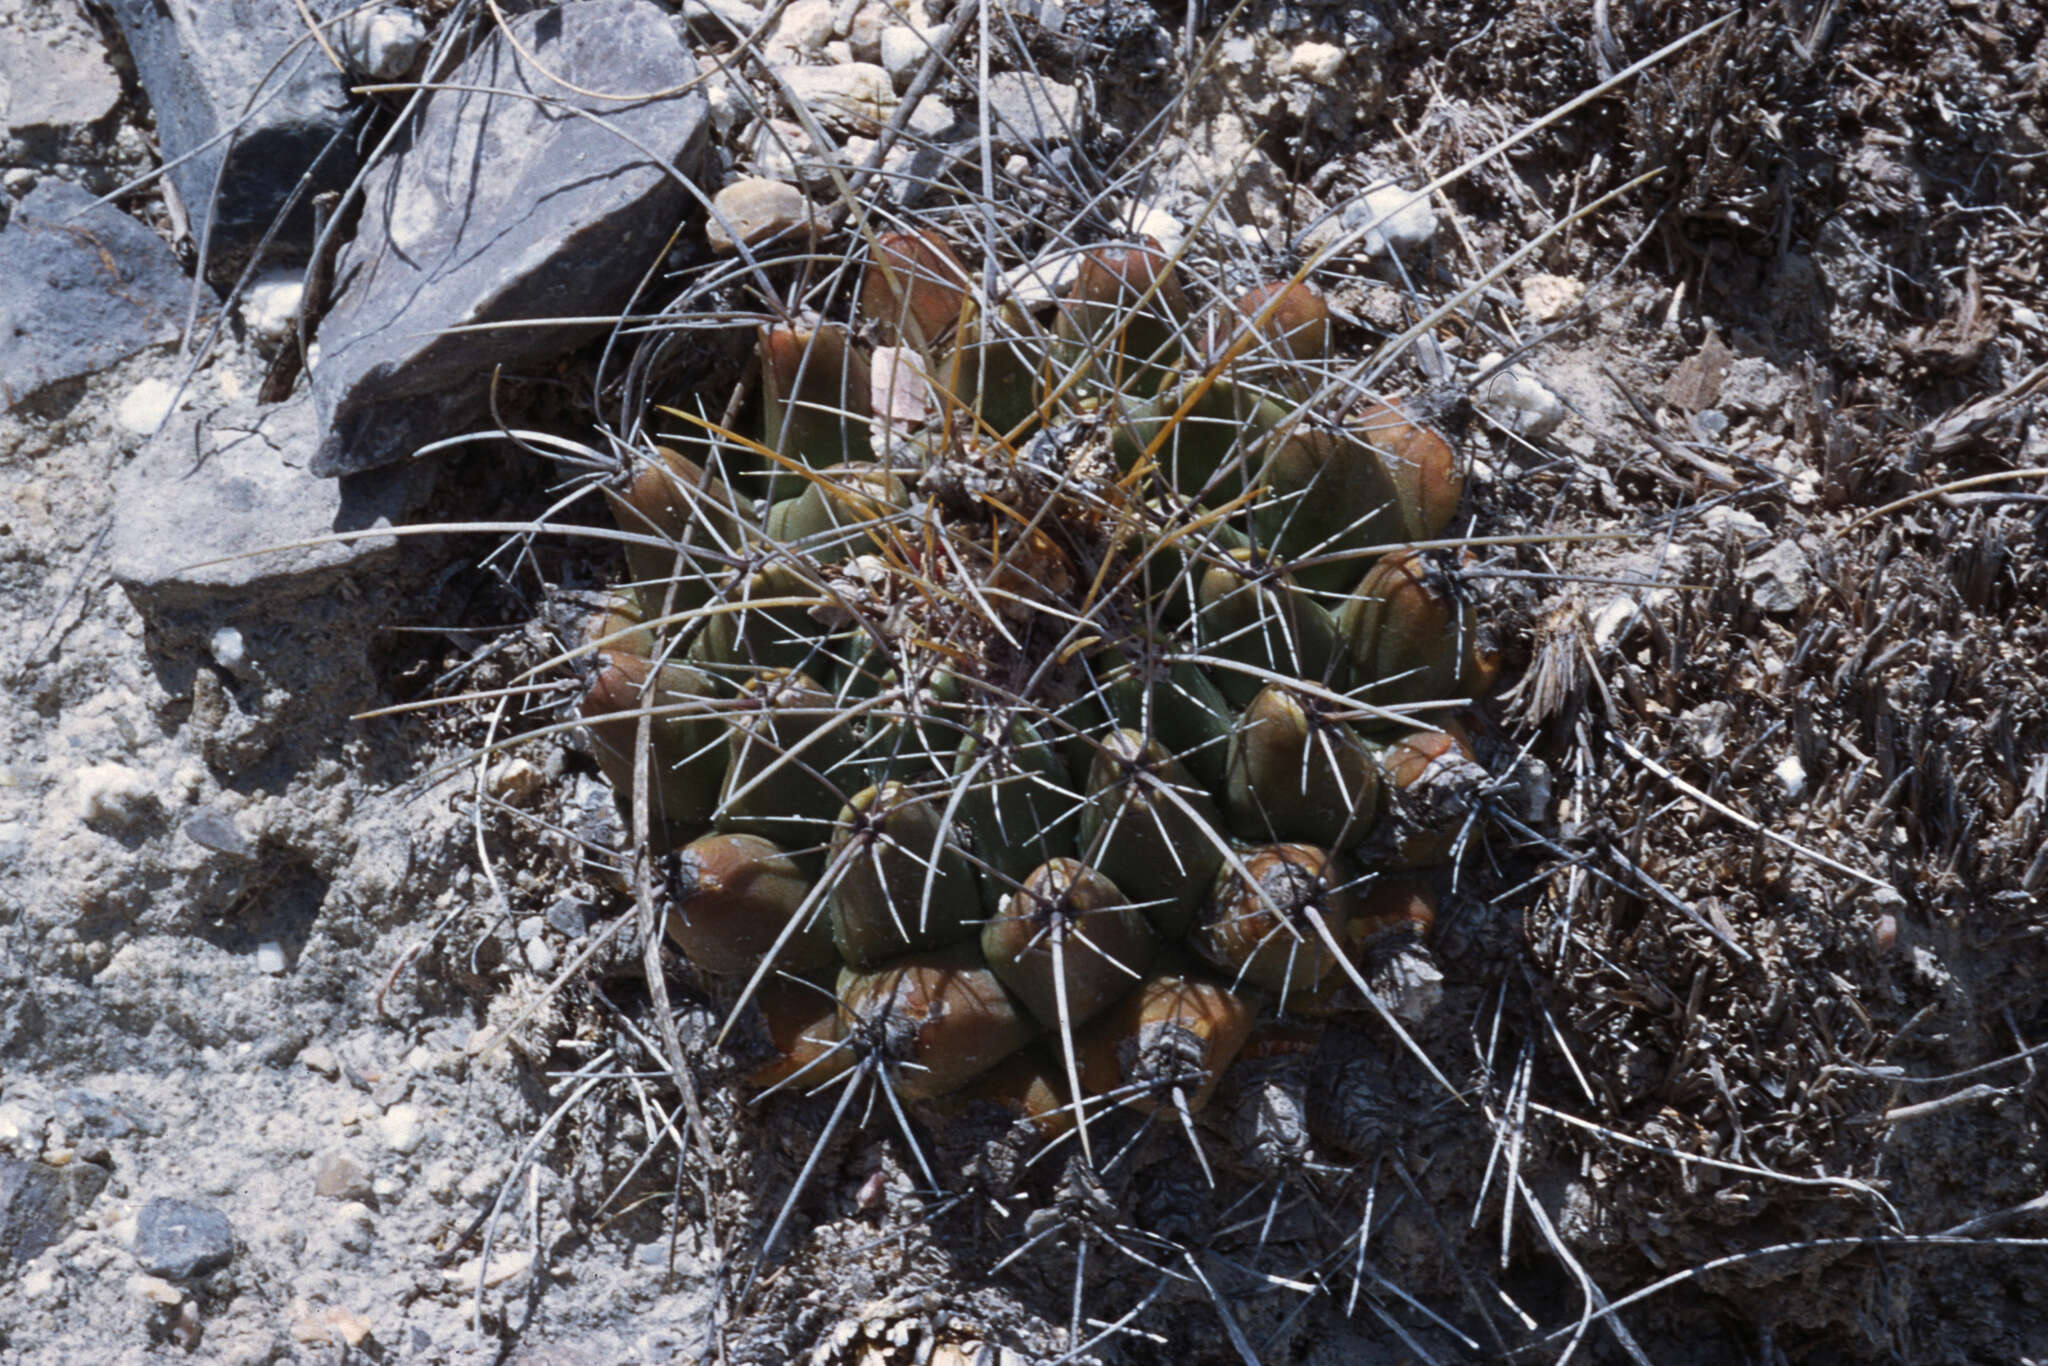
1030, 701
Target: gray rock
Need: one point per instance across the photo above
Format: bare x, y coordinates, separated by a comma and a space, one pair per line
82, 292
54, 81
211, 828
83, 1111
753, 210
207, 68
38, 1203
383, 43
232, 479
1032, 111
846, 95
1781, 578
177, 1238
500, 209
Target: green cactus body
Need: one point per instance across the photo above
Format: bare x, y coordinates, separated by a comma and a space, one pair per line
1027, 702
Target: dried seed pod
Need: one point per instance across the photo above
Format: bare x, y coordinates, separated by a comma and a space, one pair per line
1170, 1033
1296, 775
903, 884
935, 1020
805, 1033
914, 290
1421, 464
730, 897
815, 400
1067, 943
1150, 830
1254, 617
1260, 924
784, 778
1433, 779
1409, 634
686, 730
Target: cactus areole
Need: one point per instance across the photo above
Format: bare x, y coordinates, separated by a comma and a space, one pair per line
1016, 677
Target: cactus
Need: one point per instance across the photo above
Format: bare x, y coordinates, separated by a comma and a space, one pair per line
1059, 707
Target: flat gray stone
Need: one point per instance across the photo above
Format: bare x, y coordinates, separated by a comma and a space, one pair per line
179, 1239
249, 65
1033, 111
232, 479
38, 1203
1780, 579
80, 292
54, 81
502, 209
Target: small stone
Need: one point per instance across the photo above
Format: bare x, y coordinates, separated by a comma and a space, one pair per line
270, 959
567, 917
180, 1239
54, 80
805, 27
503, 1267
1148, 220
852, 95
337, 1176
227, 648
319, 1059
540, 956
214, 829
155, 1290
87, 284
403, 1128
902, 51
1032, 111
143, 409
1316, 62
383, 43
754, 210
355, 1225
469, 221
514, 781
1791, 775
1402, 221
38, 1203
200, 64
1780, 579
270, 307
1546, 297
1755, 388
1518, 402
112, 795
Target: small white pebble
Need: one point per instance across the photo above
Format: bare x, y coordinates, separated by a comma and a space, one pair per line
143, 409
1148, 220
514, 780
228, 650
540, 957
1318, 62
38, 1282
382, 43
270, 957
155, 1290
270, 308
1518, 402
320, 1058
111, 794
1792, 774
403, 1128
1402, 221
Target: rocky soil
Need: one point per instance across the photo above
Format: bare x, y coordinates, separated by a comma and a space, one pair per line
323, 1028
